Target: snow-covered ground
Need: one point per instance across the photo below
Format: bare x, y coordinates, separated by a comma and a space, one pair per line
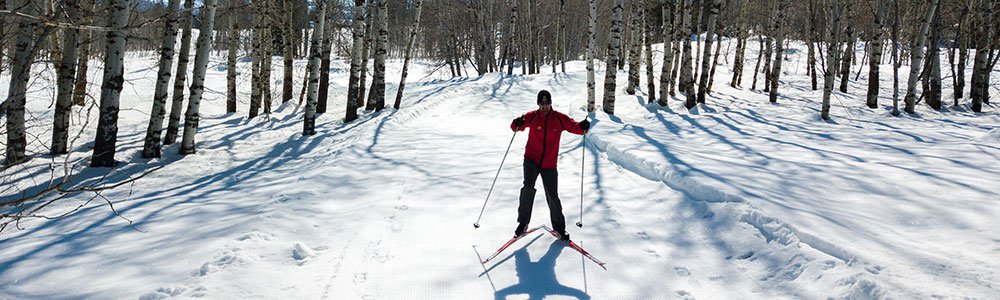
736, 199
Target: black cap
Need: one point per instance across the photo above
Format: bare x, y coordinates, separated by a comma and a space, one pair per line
544, 97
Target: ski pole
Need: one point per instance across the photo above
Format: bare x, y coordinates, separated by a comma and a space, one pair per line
494, 180
583, 157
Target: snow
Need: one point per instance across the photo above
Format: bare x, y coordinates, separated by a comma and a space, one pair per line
735, 199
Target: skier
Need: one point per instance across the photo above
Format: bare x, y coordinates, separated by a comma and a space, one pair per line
540, 155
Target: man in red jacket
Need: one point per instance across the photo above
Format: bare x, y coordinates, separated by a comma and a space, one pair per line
540, 157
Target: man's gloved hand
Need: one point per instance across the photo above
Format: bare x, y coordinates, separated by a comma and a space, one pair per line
585, 125
519, 122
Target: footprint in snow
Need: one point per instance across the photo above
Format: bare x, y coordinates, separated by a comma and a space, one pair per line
301, 252
682, 272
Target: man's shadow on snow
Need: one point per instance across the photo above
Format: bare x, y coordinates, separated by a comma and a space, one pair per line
537, 279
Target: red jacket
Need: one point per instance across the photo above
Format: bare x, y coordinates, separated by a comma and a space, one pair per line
543, 138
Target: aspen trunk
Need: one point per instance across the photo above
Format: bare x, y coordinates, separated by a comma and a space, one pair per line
406, 55
875, 59
152, 143
779, 50
648, 38
845, 67
257, 64
67, 69
315, 49
288, 52
635, 39
980, 67
23, 56
916, 57
231, 56
267, 45
667, 52
378, 77
83, 62
591, 50
611, 70
832, 35
933, 93
324, 66
713, 13
510, 40
191, 116
686, 84
358, 40
173, 125
114, 57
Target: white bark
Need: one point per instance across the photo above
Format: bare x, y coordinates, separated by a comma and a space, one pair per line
591, 50
315, 49
192, 116
406, 55
378, 77
231, 56
779, 50
14, 104
114, 57
706, 58
686, 84
668, 56
67, 70
358, 35
611, 68
152, 145
177, 104
635, 46
916, 57
832, 35
875, 59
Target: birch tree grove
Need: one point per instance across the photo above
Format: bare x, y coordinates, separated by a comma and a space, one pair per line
114, 57
406, 54
315, 49
611, 70
67, 71
151, 146
192, 116
353, 85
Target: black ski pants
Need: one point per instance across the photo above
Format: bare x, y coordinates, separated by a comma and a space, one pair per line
550, 183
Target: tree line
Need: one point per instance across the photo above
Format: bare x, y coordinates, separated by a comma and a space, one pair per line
508, 36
